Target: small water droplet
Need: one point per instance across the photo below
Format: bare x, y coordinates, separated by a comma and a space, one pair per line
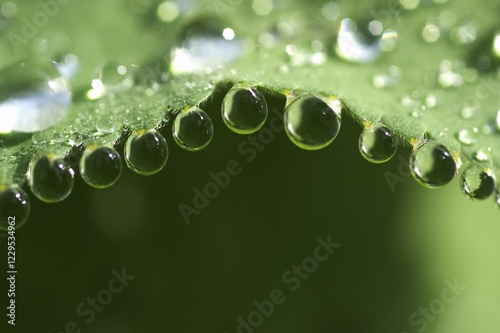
33, 96
478, 182
51, 179
75, 139
68, 65
192, 129
377, 144
244, 109
483, 154
386, 79
498, 120
105, 126
467, 137
146, 153
451, 73
14, 203
433, 165
100, 167
207, 45
37, 138
432, 30
110, 78
167, 11
262, 7
465, 33
312, 122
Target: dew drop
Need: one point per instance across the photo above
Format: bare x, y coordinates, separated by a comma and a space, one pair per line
100, 167
478, 182
33, 97
354, 45
377, 144
51, 179
105, 126
192, 129
207, 45
110, 78
312, 122
244, 109
14, 203
146, 153
37, 138
75, 139
483, 154
467, 137
465, 33
433, 165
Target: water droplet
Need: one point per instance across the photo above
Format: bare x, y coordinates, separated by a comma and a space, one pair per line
167, 11
207, 46
377, 144
37, 138
354, 45
478, 182
105, 126
146, 153
387, 79
68, 65
483, 154
432, 31
244, 109
312, 122
75, 139
451, 73
467, 137
8, 9
433, 165
496, 45
100, 167
498, 120
262, 7
111, 78
192, 129
50, 178
14, 202
33, 97
465, 33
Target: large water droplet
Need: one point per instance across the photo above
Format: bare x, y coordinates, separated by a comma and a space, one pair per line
100, 167
377, 144
244, 109
478, 182
14, 207
433, 165
51, 179
33, 96
207, 45
146, 153
312, 122
354, 45
192, 129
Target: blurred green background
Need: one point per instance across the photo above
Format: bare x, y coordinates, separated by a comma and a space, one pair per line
397, 247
